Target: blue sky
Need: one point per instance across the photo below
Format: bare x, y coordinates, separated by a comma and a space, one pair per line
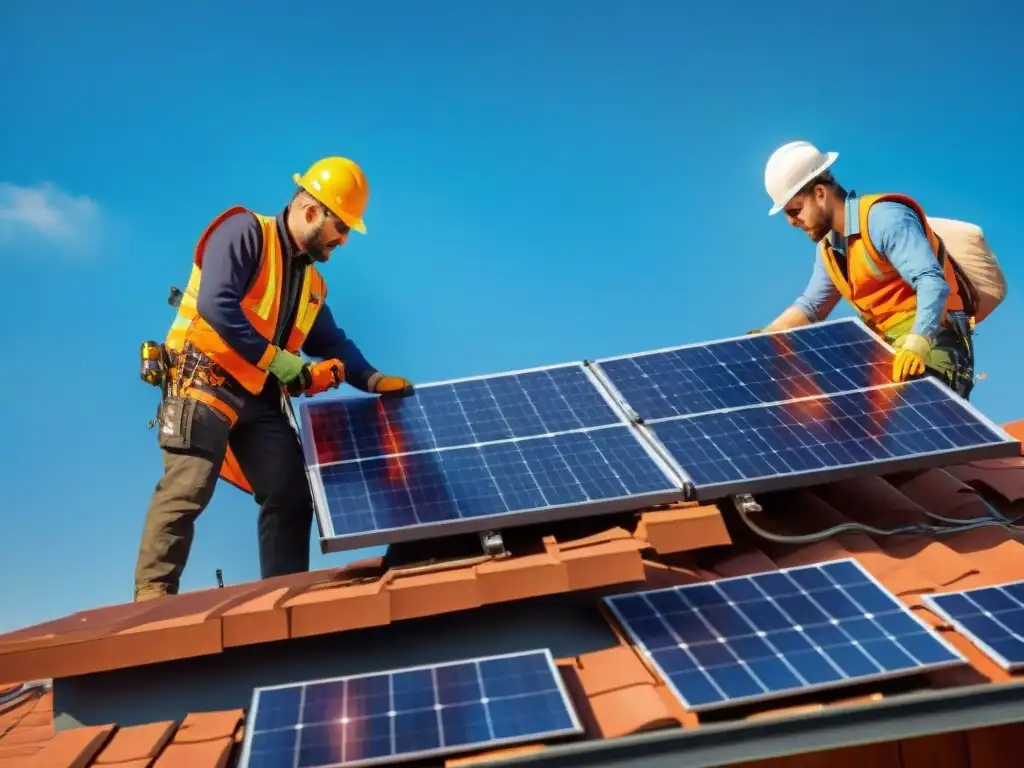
547, 185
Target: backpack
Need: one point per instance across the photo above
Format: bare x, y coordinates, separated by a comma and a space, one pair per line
979, 277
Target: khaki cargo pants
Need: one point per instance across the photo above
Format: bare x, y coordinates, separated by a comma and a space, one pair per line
193, 439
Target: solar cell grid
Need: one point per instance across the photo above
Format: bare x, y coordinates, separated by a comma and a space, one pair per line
992, 618
444, 488
765, 368
743, 415
450, 414
788, 444
747, 639
409, 714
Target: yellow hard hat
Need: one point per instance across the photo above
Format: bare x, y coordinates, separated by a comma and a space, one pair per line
341, 185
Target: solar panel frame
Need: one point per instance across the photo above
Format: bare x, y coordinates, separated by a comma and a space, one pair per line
575, 727
420, 418
333, 540
680, 484
1001, 446
957, 658
853, 330
944, 604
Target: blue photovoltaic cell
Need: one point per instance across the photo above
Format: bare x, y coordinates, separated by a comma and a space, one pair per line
752, 638
464, 412
752, 414
409, 714
990, 617
764, 368
881, 425
437, 487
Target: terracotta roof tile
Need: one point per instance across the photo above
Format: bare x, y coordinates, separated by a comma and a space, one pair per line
362, 595
633, 709
497, 754
200, 754
209, 726
75, 748
615, 691
138, 743
26, 724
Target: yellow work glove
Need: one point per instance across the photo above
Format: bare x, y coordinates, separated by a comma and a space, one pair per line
912, 352
392, 386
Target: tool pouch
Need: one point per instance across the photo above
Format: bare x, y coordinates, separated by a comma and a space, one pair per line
192, 426
175, 416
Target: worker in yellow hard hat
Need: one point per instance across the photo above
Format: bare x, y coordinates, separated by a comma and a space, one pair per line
255, 301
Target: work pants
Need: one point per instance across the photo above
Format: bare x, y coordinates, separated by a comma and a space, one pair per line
951, 359
267, 450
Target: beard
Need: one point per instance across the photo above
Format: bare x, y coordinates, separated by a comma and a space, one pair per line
818, 232
314, 245
820, 226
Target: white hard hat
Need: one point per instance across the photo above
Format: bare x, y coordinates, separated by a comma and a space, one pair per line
790, 167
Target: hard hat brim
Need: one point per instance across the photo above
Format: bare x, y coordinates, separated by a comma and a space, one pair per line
354, 224
830, 158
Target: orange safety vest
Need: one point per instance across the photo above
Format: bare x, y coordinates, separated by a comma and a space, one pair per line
261, 305
875, 289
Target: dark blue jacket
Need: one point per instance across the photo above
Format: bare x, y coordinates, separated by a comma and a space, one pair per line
229, 268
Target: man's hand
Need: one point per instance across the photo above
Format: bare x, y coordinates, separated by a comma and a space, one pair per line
912, 352
390, 386
317, 378
286, 366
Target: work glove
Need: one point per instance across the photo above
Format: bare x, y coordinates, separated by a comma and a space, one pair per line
390, 386
286, 366
318, 377
912, 351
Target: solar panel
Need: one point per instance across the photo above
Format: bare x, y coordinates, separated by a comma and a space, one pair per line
408, 714
797, 630
499, 482
820, 359
462, 412
473, 454
744, 415
992, 618
801, 442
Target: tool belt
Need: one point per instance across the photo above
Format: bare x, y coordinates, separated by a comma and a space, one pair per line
157, 363
963, 359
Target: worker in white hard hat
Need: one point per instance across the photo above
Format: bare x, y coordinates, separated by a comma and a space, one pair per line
880, 254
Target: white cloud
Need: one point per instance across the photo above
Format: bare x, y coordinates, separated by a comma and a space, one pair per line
46, 212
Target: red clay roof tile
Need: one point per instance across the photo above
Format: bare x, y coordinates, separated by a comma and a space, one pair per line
73, 748
487, 757
205, 622
634, 709
208, 726
200, 754
616, 692
137, 743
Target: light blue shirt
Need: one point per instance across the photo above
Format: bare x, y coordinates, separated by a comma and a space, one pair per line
898, 236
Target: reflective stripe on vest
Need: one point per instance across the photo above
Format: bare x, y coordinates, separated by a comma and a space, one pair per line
261, 305
311, 299
875, 288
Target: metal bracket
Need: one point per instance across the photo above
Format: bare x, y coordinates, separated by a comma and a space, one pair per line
745, 503
492, 543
